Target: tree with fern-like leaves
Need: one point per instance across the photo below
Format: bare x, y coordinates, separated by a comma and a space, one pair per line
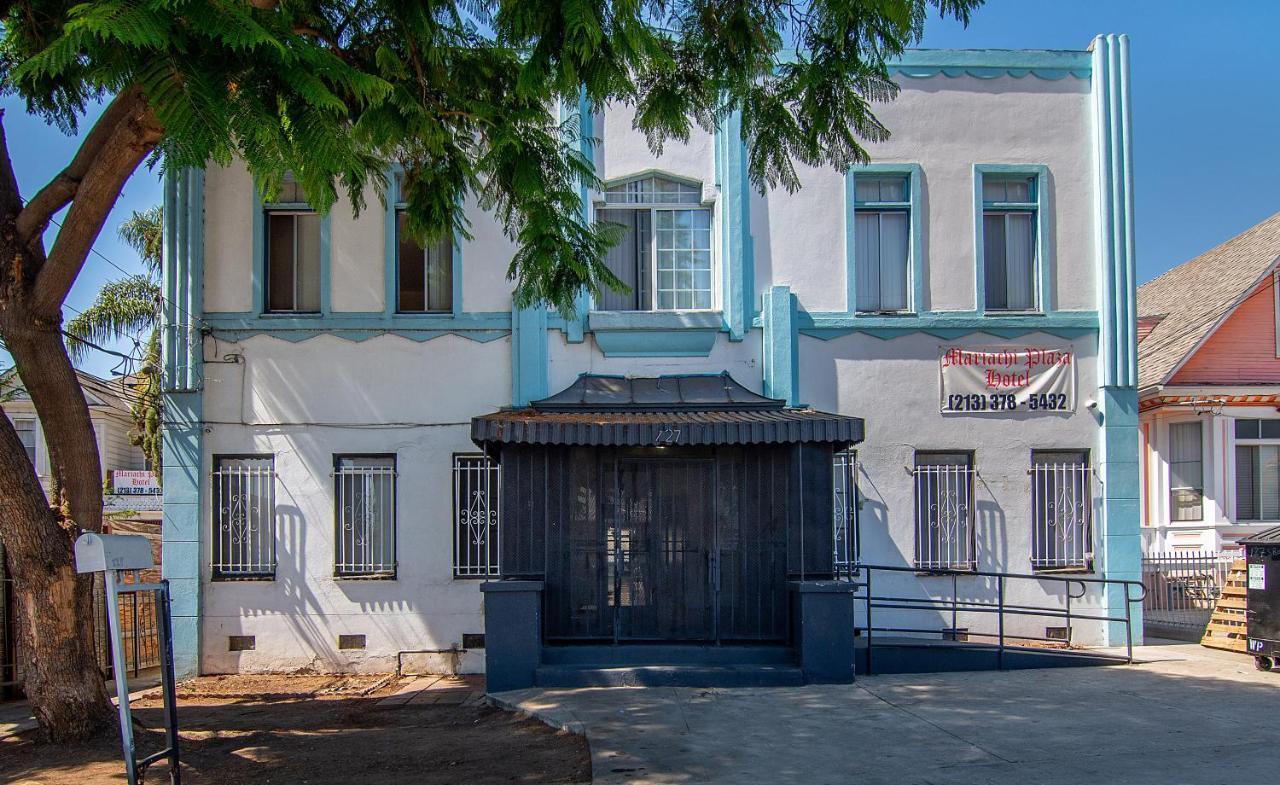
129, 309
461, 93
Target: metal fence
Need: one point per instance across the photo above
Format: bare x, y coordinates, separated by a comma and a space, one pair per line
944, 517
139, 629
1182, 588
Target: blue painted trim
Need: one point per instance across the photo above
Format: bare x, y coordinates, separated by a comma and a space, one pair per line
359, 326
781, 355
657, 343
528, 355
914, 175
736, 252
1114, 183
991, 63
1044, 214
655, 320
574, 329
260, 247
946, 324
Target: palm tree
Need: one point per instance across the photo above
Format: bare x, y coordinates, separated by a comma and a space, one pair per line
128, 308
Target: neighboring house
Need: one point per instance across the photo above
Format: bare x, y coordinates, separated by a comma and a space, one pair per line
350, 449
110, 406
1209, 386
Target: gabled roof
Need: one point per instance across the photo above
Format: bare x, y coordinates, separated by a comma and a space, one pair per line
110, 394
1196, 296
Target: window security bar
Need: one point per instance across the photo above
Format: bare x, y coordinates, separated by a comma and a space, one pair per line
1061, 516
244, 536
845, 511
477, 503
365, 496
944, 516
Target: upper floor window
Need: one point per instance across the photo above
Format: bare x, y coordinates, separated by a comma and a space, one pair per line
1010, 214
293, 251
27, 435
424, 273
664, 255
1258, 470
1186, 471
882, 233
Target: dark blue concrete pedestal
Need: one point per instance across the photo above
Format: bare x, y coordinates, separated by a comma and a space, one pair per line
822, 613
512, 633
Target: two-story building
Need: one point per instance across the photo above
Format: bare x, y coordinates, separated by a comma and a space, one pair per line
924, 362
1209, 392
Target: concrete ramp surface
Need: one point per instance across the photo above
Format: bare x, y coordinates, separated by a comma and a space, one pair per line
1183, 715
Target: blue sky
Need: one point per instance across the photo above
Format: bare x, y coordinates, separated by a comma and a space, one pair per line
1206, 122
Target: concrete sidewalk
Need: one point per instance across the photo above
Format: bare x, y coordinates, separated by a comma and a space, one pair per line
1184, 716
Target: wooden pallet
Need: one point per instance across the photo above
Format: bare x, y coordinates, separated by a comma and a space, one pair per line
1228, 626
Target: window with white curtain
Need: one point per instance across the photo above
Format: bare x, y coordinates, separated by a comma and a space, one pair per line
882, 234
664, 253
1009, 226
292, 251
1186, 471
1257, 470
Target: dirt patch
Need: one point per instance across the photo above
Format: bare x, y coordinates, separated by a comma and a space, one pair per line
268, 686
326, 738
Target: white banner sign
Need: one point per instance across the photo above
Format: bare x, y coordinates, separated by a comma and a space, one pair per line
135, 483
991, 381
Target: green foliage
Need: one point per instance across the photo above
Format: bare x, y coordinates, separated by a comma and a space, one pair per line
464, 94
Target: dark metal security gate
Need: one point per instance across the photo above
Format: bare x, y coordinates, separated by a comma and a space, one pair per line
680, 548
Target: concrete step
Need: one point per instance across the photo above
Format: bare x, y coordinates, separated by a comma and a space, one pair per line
669, 676
667, 654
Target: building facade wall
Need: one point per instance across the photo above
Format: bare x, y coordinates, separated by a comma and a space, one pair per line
360, 378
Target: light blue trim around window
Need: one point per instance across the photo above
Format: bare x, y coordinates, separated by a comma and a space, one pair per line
1044, 215
915, 255
260, 256
391, 251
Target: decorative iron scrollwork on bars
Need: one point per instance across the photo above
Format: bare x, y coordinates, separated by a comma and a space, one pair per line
244, 532
477, 499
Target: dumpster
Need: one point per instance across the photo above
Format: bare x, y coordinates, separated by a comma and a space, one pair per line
1262, 556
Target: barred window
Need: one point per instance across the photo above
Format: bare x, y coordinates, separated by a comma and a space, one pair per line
845, 510
944, 510
1061, 509
477, 483
244, 525
364, 494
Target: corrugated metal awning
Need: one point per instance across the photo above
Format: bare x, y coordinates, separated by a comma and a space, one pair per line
663, 411
1266, 537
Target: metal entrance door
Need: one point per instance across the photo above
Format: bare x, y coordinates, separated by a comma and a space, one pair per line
662, 556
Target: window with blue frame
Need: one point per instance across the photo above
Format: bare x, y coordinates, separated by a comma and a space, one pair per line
1010, 220
292, 251
664, 252
424, 272
882, 233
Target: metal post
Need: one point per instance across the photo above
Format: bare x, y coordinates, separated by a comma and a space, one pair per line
121, 676
869, 600
165, 631
137, 638
955, 624
1069, 614
1000, 618
1128, 624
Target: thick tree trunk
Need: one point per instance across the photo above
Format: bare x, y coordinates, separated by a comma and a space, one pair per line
55, 606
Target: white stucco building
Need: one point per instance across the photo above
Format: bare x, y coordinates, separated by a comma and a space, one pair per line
325, 503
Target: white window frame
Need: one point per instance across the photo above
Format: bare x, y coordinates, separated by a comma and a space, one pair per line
353, 553
654, 208
1169, 462
1239, 441
35, 438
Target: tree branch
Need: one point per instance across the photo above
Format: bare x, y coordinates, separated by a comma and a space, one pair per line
126, 145
59, 191
10, 196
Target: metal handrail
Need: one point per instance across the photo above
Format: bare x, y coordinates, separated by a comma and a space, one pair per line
999, 607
